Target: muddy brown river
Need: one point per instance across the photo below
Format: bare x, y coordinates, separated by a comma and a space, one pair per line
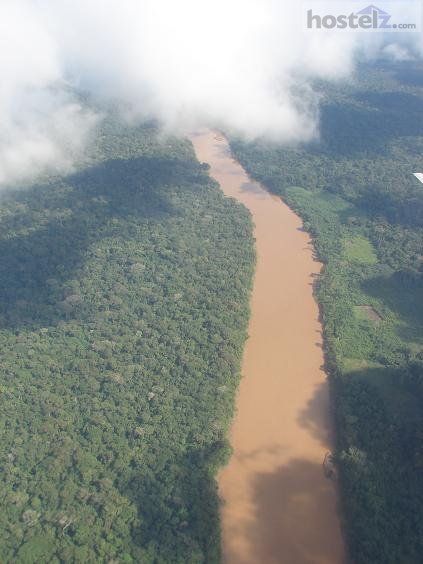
278, 505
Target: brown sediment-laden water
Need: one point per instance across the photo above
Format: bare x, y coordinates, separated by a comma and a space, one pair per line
279, 501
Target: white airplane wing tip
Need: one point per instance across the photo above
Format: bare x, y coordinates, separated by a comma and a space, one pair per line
419, 175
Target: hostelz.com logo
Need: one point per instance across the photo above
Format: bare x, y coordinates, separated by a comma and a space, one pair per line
370, 18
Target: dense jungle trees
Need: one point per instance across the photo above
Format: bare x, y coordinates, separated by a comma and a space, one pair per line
124, 294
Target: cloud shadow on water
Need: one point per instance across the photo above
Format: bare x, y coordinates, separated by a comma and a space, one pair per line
295, 521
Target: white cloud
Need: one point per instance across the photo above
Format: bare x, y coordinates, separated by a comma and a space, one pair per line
41, 126
244, 64
397, 53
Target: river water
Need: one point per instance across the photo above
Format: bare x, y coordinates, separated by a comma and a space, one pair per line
278, 505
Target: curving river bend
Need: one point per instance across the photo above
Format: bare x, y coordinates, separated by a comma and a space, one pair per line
278, 506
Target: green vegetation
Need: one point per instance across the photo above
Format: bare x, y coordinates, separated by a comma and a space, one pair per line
359, 249
365, 211
124, 294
